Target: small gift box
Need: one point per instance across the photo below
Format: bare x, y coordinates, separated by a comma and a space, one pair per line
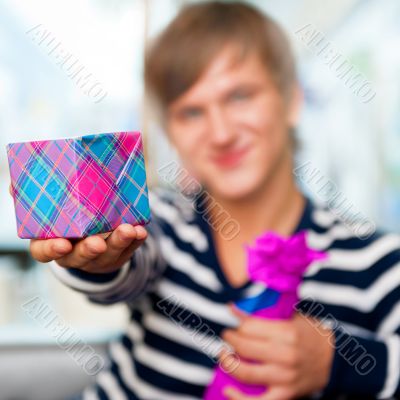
77, 187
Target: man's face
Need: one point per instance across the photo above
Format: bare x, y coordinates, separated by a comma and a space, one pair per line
231, 127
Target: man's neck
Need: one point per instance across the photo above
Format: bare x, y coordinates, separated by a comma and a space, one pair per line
277, 206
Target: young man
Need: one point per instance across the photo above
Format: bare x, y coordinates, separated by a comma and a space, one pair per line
224, 78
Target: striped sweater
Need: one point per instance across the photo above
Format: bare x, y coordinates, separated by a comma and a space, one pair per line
178, 299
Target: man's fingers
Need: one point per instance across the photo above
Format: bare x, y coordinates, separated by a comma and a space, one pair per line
141, 232
84, 251
257, 349
119, 241
279, 393
127, 253
49, 249
232, 393
92, 253
257, 374
282, 331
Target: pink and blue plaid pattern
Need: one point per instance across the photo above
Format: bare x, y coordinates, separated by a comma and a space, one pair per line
78, 187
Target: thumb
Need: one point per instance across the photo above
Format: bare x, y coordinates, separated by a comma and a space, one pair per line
237, 311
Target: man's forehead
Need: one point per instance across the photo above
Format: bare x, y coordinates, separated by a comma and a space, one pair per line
231, 60
226, 70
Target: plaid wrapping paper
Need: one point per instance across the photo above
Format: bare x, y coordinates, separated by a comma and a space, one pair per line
77, 187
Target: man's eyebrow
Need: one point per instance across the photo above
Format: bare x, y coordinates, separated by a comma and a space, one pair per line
184, 108
245, 86
190, 106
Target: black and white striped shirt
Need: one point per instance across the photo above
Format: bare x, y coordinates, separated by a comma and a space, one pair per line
178, 298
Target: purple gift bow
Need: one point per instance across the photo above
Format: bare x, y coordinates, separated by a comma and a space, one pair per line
278, 263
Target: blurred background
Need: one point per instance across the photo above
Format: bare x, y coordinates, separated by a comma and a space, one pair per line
45, 46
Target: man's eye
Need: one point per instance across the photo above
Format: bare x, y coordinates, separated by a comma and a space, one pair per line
191, 113
238, 96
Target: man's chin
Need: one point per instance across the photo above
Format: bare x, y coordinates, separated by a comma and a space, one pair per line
234, 192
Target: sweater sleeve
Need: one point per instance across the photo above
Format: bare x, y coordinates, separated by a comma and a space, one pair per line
133, 279
370, 364
365, 366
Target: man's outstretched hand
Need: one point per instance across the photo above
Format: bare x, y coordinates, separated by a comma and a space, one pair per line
93, 254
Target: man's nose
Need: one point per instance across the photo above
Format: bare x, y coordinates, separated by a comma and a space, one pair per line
220, 129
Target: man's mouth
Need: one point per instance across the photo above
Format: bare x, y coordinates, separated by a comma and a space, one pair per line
231, 158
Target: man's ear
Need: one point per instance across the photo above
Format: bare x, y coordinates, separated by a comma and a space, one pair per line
295, 104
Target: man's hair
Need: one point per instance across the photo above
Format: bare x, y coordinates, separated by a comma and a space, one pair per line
183, 51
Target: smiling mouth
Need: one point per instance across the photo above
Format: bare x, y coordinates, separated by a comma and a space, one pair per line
230, 159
